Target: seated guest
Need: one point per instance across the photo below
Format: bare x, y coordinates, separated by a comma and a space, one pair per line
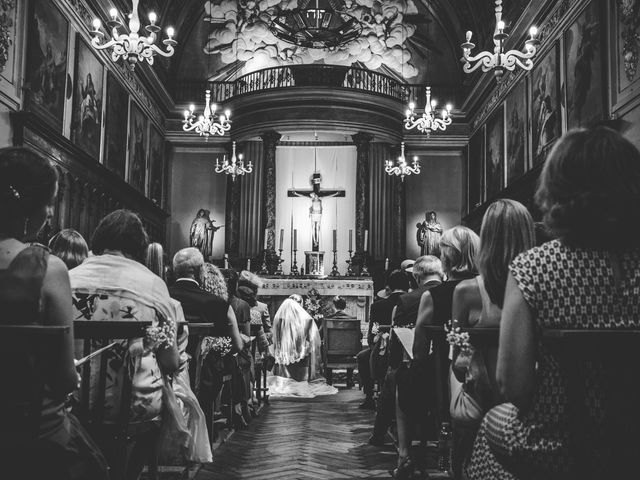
507, 230
339, 305
404, 266
34, 290
427, 273
70, 247
586, 279
380, 314
202, 307
197, 449
114, 284
416, 389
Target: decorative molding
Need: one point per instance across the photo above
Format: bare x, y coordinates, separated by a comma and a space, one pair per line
6, 24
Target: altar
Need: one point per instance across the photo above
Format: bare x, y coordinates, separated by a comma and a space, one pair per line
357, 291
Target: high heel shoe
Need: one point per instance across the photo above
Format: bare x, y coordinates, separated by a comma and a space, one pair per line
404, 471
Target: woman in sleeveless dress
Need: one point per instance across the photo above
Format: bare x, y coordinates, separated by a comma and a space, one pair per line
34, 290
589, 278
297, 350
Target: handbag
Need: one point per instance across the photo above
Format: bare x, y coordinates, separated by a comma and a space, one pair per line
470, 387
174, 433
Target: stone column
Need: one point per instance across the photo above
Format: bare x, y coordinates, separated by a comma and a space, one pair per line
269, 140
399, 221
363, 142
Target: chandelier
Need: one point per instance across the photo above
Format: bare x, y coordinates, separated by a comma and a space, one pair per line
325, 25
401, 168
209, 123
235, 166
132, 46
499, 60
429, 121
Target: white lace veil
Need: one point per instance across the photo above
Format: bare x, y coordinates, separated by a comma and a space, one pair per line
291, 333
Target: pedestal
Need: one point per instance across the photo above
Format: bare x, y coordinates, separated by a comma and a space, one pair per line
314, 263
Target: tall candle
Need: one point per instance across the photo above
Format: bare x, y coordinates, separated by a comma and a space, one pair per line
226, 262
295, 239
249, 264
335, 240
350, 239
266, 237
366, 239
281, 237
386, 264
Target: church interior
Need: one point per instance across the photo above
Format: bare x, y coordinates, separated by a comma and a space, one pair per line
315, 212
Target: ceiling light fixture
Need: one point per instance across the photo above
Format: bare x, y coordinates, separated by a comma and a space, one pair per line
429, 121
132, 46
499, 60
235, 166
401, 167
209, 123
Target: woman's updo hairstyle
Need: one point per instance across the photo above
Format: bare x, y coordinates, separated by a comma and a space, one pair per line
27, 184
589, 190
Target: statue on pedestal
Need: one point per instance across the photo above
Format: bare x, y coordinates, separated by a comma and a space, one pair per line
428, 235
202, 232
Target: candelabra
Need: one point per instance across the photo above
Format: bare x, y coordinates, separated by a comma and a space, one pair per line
429, 120
294, 265
365, 271
350, 272
209, 123
402, 168
280, 260
132, 46
235, 166
334, 270
499, 60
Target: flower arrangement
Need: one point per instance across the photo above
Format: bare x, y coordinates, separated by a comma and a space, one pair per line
457, 338
375, 328
162, 335
313, 305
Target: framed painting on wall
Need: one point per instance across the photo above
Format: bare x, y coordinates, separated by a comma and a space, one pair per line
86, 119
494, 169
625, 50
117, 114
475, 169
516, 118
138, 143
8, 21
545, 105
156, 166
583, 66
46, 69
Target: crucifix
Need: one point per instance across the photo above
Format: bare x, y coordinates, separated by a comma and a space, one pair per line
315, 211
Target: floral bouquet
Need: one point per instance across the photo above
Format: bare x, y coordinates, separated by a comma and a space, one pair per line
161, 335
219, 347
313, 306
455, 337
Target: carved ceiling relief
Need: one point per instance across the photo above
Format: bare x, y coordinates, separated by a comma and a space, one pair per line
242, 35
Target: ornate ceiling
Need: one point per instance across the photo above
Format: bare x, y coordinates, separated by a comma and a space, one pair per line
414, 40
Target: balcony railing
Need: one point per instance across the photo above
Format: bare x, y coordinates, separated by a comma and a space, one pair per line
349, 78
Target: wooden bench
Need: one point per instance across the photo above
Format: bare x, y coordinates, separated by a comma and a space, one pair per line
341, 343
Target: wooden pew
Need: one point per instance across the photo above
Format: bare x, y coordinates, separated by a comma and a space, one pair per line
341, 343
93, 415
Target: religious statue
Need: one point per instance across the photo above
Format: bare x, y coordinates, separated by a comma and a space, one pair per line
428, 235
315, 211
202, 232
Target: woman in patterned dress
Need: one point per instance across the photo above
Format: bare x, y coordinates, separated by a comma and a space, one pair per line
589, 278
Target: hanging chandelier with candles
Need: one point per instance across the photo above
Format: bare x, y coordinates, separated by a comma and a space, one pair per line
210, 122
401, 168
235, 166
132, 46
430, 120
499, 60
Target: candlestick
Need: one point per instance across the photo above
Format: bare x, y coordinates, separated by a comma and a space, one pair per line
334, 270
248, 264
366, 240
295, 239
350, 240
226, 262
335, 239
386, 264
266, 237
280, 260
365, 271
294, 265
281, 240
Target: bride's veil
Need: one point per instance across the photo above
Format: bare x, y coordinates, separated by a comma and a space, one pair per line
291, 330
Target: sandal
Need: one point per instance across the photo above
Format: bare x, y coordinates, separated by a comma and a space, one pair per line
404, 471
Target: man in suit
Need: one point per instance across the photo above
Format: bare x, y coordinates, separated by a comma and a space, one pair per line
428, 272
202, 307
380, 314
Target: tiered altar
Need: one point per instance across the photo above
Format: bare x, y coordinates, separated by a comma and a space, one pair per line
357, 291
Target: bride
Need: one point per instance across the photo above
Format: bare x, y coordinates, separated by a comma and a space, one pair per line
296, 343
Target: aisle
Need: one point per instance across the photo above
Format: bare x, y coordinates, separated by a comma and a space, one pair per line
321, 438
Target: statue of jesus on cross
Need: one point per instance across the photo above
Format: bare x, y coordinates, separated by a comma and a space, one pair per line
315, 211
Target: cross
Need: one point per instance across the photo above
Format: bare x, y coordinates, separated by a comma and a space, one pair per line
316, 178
